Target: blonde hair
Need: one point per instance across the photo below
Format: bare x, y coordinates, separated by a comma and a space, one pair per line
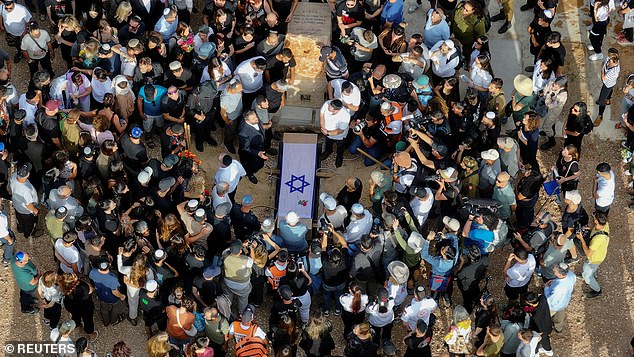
101, 123
91, 48
73, 114
49, 279
124, 10
158, 345
71, 21
318, 326
168, 226
138, 273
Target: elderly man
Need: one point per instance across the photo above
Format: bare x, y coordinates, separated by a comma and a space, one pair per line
504, 195
360, 224
62, 197
490, 167
293, 233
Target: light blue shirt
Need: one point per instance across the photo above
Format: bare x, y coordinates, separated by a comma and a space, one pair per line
293, 237
559, 292
440, 266
165, 28
435, 33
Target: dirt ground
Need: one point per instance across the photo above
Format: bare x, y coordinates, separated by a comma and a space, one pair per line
600, 327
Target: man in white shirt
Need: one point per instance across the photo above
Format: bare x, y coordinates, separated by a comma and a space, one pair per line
68, 254
420, 308
519, 269
360, 224
251, 74
14, 19
229, 171
421, 203
413, 62
604, 188
37, 48
334, 123
347, 92
25, 200
220, 194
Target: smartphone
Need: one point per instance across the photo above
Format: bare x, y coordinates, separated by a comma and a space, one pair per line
300, 265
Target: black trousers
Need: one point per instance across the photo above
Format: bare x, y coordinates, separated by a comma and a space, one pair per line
201, 130
382, 333
44, 62
27, 300
470, 296
83, 313
26, 223
341, 147
53, 314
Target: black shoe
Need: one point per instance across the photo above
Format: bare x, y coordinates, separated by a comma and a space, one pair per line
33, 311
253, 179
231, 149
17, 58
548, 144
324, 155
593, 294
278, 136
271, 151
529, 69
212, 142
505, 27
133, 322
194, 10
339, 162
499, 17
542, 133
200, 147
526, 7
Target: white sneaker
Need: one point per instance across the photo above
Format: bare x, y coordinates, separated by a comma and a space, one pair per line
545, 352
628, 173
631, 184
413, 7
596, 57
590, 48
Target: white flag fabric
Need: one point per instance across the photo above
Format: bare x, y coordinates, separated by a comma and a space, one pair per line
297, 178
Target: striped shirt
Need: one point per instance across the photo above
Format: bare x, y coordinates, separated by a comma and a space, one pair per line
611, 74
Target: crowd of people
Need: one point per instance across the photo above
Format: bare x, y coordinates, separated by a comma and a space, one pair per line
146, 236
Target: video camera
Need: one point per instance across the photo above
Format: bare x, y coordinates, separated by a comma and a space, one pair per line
418, 121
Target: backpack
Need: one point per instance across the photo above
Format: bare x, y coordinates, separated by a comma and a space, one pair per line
458, 54
251, 346
586, 125
202, 97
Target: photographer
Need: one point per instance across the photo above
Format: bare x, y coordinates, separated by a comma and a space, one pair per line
462, 126
366, 269
393, 235
335, 271
478, 231
448, 193
446, 244
437, 158
575, 217
400, 208
334, 213
405, 169
370, 137
539, 233
596, 252
555, 254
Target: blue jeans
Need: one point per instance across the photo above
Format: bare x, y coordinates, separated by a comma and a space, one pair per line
373, 151
589, 275
332, 291
8, 248
316, 284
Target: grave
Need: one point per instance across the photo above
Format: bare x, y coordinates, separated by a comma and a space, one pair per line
309, 30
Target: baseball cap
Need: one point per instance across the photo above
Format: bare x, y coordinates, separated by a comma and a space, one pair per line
166, 183
1, 146
211, 272
324, 52
573, 196
53, 104
247, 200
170, 160
151, 285
136, 132
145, 175
281, 85
357, 208
452, 224
24, 170
19, 256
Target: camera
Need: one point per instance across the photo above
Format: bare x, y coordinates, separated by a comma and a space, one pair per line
360, 125
432, 178
418, 121
474, 211
376, 225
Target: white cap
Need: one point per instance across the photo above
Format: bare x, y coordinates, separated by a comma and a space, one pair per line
490, 154
145, 175
490, 115
151, 285
452, 224
415, 241
573, 196
357, 208
330, 203
292, 218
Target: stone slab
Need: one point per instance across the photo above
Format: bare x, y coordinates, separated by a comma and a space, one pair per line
295, 118
309, 30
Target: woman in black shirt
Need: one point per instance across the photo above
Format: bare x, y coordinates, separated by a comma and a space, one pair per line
527, 194
78, 301
350, 193
575, 125
566, 169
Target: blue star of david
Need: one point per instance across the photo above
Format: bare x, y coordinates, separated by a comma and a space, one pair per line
302, 183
